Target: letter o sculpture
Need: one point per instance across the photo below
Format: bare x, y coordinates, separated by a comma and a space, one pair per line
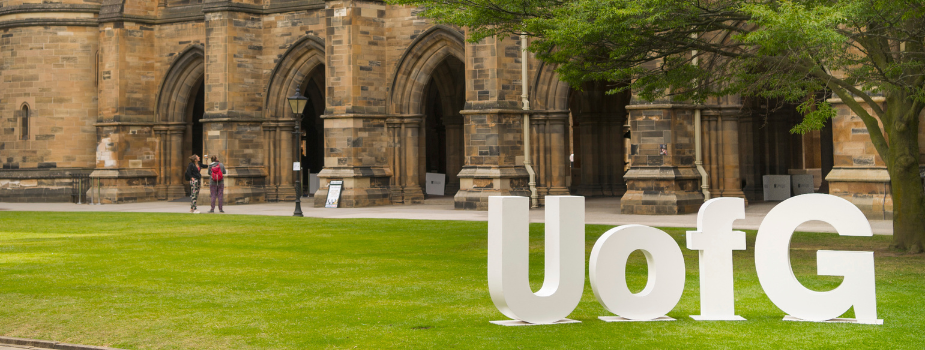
666, 272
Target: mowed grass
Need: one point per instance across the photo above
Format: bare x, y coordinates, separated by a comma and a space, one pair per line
173, 281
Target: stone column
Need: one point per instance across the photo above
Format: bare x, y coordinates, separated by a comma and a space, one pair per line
494, 148
859, 175
355, 115
238, 145
395, 159
126, 165
161, 133
557, 150
663, 179
286, 189
176, 163
234, 70
720, 140
411, 167
271, 188
494, 158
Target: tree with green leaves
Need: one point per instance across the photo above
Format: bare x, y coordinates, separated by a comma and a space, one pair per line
868, 53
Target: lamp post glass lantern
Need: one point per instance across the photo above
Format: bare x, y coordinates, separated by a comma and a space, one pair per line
297, 103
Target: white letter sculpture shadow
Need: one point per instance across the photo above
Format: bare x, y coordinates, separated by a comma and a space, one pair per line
608, 273
772, 261
509, 253
716, 240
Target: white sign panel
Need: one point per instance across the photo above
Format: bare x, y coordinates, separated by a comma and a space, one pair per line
436, 183
333, 198
776, 187
313, 183
296, 166
802, 184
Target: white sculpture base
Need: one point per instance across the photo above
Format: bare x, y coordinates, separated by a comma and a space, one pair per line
511, 323
624, 319
835, 320
718, 318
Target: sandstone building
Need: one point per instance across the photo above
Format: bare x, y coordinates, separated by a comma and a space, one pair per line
123, 91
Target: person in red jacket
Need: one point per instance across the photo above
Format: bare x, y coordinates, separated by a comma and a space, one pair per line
217, 185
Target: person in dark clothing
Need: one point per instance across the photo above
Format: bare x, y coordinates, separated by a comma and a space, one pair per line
194, 177
217, 185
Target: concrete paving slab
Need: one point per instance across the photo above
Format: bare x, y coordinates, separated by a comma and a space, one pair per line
601, 211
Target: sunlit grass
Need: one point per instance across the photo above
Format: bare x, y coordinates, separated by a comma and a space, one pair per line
173, 281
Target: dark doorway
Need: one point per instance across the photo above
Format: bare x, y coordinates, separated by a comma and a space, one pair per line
194, 129
441, 130
312, 126
767, 147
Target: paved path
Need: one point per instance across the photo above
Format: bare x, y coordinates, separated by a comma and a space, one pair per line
604, 211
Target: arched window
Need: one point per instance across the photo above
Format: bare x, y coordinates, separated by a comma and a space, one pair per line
24, 129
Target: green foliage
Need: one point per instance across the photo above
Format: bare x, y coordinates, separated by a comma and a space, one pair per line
175, 281
693, 50
815, 114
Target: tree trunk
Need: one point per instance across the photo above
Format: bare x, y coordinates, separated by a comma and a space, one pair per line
906, 186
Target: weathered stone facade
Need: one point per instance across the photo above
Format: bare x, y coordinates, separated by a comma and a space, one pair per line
127, 90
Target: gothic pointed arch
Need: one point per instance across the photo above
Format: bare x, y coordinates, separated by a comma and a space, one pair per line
417, 65
292, 69
550, 94
186, 71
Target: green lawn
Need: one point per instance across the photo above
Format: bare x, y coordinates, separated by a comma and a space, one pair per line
175, 281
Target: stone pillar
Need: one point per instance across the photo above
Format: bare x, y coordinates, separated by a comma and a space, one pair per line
286, 188
160, 191
355, 117
238, 146
557, 153
126, 166
494, 158
859, 174
663, 179
270, 130
234, 113
411, 166
494, 148
395, 159
720, 145
174, 162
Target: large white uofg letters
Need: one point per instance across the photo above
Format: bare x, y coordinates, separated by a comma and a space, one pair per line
508, 264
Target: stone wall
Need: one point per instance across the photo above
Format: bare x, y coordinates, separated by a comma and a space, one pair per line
52, 71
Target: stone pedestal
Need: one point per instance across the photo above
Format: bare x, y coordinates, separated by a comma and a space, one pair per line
126, 165
237, 144
859, 174
116, 186
663, 179
354, 154
494, 158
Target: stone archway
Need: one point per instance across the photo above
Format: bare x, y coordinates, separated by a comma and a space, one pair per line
179, 99
425, 130
587, 123
300, 67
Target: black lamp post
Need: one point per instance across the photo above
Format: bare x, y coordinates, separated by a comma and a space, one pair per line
297, 102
